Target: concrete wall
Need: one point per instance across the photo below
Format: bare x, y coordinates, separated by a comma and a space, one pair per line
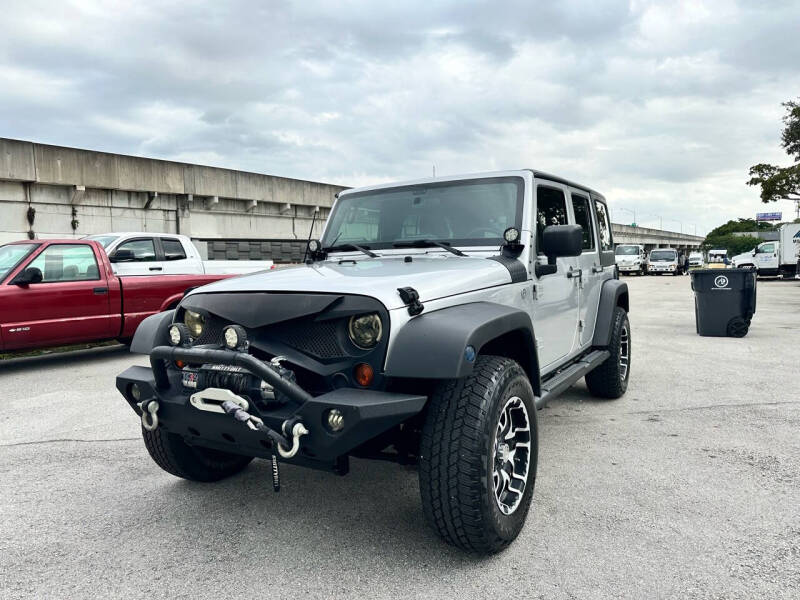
75, 192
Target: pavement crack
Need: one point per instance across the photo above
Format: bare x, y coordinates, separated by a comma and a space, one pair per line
68, 440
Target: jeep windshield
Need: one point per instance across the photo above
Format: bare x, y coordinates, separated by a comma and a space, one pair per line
627, 250
659, 255
11, 255
473, 212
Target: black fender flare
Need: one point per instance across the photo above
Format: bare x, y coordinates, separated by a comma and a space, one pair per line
152, 331
613, 293
433, 345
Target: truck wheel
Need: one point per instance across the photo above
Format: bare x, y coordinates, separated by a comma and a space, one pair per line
610, 379
175, 456
478, 456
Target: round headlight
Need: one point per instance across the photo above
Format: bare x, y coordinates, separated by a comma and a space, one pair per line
195, 322
365, 330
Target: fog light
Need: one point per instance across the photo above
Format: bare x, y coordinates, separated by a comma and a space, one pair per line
179, 334
235, 337
335, 419
135, 392
363, 374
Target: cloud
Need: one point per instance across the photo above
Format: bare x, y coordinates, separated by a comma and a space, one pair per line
663, 106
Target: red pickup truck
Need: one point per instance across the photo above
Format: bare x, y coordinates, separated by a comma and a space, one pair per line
55, 292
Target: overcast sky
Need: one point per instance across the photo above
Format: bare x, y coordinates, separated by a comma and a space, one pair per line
662, 106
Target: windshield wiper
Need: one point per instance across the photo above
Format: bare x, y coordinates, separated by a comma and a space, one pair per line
426, 244
364, 249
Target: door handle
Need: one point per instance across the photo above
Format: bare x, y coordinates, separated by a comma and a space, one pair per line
156, 269
100, 290
575, 273
597, 269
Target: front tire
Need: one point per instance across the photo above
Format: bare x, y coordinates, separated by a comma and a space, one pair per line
610, 378
478, 456
194, 463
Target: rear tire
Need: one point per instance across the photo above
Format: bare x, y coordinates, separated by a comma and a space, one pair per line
478, 456
194, 463
610, 378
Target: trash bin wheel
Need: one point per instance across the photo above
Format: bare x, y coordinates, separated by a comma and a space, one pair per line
738, 327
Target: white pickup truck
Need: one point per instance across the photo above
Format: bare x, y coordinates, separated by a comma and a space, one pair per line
777, 257
139, 253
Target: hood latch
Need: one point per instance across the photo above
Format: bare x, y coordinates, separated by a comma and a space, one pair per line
410, 298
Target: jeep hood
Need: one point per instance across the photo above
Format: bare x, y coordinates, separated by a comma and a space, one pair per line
432, 276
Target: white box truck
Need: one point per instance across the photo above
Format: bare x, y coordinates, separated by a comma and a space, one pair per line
775, 257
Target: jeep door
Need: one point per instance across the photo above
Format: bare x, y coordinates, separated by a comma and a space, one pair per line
592, 275
555, 314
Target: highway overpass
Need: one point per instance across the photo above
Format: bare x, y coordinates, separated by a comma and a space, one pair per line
53, 191
655, 238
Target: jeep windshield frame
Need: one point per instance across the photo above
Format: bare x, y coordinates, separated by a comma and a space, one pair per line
463, 212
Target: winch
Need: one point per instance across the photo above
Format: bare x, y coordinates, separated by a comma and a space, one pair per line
238, 380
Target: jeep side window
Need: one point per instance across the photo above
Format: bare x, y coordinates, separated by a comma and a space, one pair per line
583, 217
551, 209
604, 226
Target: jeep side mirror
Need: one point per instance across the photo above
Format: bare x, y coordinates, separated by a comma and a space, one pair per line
557, 241
562, 240
29, 275
122, 255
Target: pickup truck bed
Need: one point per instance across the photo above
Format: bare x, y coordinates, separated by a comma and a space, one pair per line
79, 298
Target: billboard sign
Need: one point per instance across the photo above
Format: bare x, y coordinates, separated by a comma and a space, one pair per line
773, 216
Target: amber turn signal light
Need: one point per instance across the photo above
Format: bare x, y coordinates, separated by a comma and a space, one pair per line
363, 374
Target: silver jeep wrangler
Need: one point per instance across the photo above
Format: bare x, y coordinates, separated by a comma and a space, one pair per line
428, 325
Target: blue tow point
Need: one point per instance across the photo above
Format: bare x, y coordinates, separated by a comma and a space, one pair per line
469, 353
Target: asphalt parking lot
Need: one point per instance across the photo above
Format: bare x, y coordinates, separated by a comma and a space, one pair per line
688, 486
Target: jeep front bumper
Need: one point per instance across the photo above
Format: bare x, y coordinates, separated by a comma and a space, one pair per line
365, 413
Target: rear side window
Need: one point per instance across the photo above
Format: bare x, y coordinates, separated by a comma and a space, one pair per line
583, 217
604, 226
173, 249
144, 250
551, 209
66, 262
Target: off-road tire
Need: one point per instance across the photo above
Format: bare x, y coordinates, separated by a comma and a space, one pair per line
607, 379
457, 454
178, 458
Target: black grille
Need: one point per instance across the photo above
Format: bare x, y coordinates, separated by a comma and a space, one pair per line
315, 338
318, 339
212, 332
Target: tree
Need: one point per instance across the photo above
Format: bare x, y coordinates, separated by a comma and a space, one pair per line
782, 183
723, 236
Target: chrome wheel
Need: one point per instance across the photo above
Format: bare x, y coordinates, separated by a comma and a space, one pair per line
624, 353
512, 453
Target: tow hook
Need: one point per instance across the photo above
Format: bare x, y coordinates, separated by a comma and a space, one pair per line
149, 409
297, 430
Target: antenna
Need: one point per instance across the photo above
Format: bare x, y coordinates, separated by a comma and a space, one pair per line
310, 233
434, 170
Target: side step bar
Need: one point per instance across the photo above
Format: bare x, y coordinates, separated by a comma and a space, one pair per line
565, 378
